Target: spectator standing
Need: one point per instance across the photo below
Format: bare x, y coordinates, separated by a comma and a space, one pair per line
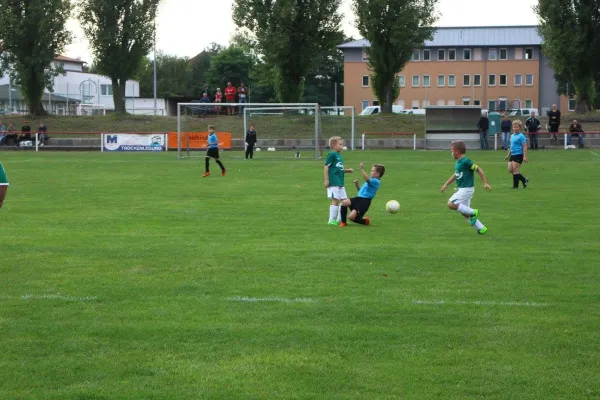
506, 127
25, 132
219, 99
483, 125
2, 132
42, 133
575, 129
11, 135
554, 122
204, 109
243, 95
250, 141
230, 92
533, 126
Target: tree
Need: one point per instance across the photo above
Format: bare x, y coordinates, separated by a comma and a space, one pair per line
571, 34
121, 34
288, 33
32, 34
230, 65
394, 28
173, 76
200, 65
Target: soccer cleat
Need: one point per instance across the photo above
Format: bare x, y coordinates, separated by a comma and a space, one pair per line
525, 183
482, 231
367, 220
343, 224
473, 218
223, 172
335, 223
206, 174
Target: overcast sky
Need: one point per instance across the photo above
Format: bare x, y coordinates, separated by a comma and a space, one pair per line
186, 27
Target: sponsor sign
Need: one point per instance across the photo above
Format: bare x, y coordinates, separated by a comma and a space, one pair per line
198, 140
134, 142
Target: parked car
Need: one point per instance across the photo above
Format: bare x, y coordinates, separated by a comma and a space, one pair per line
522, 112
414, 111
372, 110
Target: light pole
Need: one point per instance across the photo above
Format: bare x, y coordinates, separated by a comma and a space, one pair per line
154, 65
9, 97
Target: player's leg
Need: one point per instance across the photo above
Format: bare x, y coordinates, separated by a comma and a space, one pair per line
3, 190
206, 166
342, 196
344, 205
360, 211
333, 195
459, 200
3, 185
251, 151
247, 152
517, 176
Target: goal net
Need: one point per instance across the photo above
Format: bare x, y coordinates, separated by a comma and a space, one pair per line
279, 126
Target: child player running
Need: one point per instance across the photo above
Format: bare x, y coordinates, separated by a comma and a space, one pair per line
361, 203
464, 173
334, 178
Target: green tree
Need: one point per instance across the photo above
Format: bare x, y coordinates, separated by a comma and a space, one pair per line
288, 33
121, 34
230, 65
200, 65
571, 41
173, 76
394, 28
32, 33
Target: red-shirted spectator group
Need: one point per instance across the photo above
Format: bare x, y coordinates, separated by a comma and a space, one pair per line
231, 95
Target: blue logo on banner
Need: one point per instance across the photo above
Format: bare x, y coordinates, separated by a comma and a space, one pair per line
111, 138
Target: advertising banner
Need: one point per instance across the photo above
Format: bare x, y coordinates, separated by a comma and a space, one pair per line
134, 142
198, 140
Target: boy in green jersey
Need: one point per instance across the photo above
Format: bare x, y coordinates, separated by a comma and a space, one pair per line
334, 178
464, 175
3, 185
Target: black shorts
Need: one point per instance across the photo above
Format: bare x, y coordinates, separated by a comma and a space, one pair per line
553, 128
360, 204
517, 158
214, 153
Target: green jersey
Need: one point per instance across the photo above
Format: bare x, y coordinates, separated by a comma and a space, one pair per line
336, 169
464, 171
3, 179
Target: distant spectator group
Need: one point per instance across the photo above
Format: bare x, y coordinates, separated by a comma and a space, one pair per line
231, 94
9, 136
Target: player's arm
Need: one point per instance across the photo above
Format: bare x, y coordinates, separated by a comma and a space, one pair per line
364, 173
356, 184
507, 154
326, 173
482, 176
348, 170
448, 182
525, 151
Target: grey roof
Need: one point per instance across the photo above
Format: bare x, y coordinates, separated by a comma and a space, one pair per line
16, 95
473, 36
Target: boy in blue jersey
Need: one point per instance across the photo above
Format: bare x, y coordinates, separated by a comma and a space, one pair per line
464, 175
517, 154
361, 203
213, 151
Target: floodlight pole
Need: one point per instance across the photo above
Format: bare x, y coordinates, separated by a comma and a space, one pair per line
154, 66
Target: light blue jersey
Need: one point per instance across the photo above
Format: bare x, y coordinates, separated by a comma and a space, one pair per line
213, 141
517, 140
369, 189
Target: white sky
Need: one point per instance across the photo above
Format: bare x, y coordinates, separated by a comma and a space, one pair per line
186, 27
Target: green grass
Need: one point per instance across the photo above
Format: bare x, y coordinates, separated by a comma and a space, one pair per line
122, 276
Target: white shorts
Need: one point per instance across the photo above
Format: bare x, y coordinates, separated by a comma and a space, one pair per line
337, 192
463, 196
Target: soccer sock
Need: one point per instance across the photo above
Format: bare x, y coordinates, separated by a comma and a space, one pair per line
360, 220
478, 225
464, 210
344, 213
206, 160
522, 178
516, 180
333, 211
221, 165
339, 214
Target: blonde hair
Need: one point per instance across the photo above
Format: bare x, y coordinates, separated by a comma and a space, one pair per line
519, 123
459, 146
334, 139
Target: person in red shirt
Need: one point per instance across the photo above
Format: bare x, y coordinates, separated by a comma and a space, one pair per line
230, 92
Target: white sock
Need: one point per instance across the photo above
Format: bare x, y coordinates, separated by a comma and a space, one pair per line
464, 210
333, 212
339, 215
478, 225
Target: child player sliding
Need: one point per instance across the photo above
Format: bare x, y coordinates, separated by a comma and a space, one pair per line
360, 204
334, 177
464, 173
212, 152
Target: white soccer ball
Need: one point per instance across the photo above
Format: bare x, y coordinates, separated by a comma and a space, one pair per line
345, 148
271, 149
392, 206
257, 149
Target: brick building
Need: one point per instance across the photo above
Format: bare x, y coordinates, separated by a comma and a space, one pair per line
495, 67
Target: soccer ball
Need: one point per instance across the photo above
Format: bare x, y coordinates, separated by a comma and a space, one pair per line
258, 149
392, 206
345, 148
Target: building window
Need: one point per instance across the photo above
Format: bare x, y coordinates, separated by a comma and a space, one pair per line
476, 102
364, 104
364, 55
466, 101
106, 90
441, 55
415, 104
572, 104
528, 103
518, 80
492, 54
519, 53
466, 54
529, 54
492, 80
426, 55
503, 54
529, 79
365, 81
401, 81
477, 80
466, 80
451, 80
416, 55
440, 102
503, 80
426, 81
416, 81
441, 81
451, 102
491, 105
451, 54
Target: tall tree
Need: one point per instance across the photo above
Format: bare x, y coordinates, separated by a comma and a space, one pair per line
173, 76
32, 34
121, 34
231, 64
571, 33
288, 33
394, 28
200, 66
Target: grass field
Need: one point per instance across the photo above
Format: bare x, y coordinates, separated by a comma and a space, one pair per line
127, 276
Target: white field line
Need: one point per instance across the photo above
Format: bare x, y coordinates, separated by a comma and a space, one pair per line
272, 300
49, 297
481, 303
594, 153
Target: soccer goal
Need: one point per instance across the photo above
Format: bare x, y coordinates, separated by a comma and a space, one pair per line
277, 124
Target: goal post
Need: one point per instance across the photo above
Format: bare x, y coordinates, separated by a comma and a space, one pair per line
353, 119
